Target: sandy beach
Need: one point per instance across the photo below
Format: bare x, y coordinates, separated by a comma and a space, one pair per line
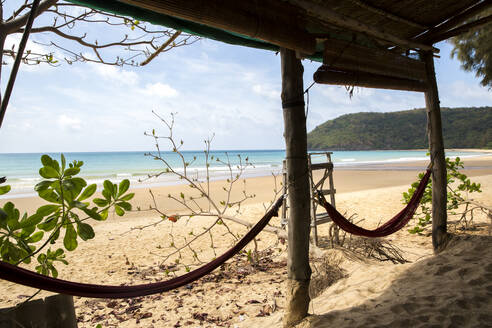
452, 289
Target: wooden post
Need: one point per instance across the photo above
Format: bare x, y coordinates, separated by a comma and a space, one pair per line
439, 183
56, 311
298, 269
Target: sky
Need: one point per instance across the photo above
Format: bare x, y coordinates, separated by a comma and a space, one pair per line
229, 92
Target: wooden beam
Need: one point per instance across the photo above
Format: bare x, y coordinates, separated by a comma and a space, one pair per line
462, 29
343, 55
367, 80
454, 21
242, 17
298, 269
388, 15
436, 144
326, 14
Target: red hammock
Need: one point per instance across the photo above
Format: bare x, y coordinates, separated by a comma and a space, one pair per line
393, 225
32, 279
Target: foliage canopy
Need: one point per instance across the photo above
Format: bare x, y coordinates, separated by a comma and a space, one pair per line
462, 128
474, 50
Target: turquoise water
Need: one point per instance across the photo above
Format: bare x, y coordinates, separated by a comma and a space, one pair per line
21, 169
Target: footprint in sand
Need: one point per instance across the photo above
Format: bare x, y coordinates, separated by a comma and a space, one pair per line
444, 269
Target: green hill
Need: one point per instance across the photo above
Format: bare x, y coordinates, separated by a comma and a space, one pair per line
462, 128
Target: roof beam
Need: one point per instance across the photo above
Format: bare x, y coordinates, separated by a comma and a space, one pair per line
242, 17
332, 17
462, 29
366, 80
345, 55
458, 19
389, 15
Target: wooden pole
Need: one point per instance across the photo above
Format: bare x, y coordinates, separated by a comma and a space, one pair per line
298, 269
367, 80
436, 143
281, 28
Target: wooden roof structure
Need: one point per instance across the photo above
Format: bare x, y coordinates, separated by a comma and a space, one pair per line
303, 25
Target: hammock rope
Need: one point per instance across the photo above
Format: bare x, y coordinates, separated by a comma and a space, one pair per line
29, 278
392, 226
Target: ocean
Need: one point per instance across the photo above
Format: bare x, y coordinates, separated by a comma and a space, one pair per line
21, 169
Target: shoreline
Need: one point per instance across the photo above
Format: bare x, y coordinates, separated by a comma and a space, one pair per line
346, 179
474, 165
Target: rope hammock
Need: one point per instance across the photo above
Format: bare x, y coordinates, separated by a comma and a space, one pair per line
32, 279
393, 225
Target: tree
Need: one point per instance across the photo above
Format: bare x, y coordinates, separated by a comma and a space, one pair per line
474, 50
64, 32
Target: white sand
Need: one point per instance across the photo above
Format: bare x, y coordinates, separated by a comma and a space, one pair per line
451, 289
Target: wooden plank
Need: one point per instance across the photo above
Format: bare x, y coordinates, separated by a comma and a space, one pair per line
436, 143
367, 80
343, 55
328, 192
479, 23
242, 17
329, 15
455, 21
319, 166
298, 269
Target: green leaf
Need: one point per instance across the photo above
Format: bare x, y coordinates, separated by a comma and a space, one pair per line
93, 214
48, 172
3, 216
108, 185
43, 185
48, 224
125, 205
36, 237
104, 215
85, 231
54, 272
119, 211
31, 221
72, 171
70, 239
49, 195
100, 202
55, 236
46, 210
88, 192
107, 194
123, 187
4, 189
63, 162
127, 197
78, 205
13, 223
46, 160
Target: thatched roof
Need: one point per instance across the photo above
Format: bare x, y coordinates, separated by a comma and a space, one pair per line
368, 36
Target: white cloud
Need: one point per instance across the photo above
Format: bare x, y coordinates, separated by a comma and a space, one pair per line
69, 123
159, 90
116, 74
266, 90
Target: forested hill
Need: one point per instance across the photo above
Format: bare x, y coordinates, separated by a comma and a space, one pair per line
462, 128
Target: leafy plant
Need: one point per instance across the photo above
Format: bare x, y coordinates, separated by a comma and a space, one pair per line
66, 214
454, 196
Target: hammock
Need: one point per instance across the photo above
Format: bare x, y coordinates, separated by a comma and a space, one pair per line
393, 225
32, 279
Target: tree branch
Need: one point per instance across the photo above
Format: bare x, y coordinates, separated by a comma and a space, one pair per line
15, 24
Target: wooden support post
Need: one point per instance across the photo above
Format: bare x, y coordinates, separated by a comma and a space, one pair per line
439, 183
298, 269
